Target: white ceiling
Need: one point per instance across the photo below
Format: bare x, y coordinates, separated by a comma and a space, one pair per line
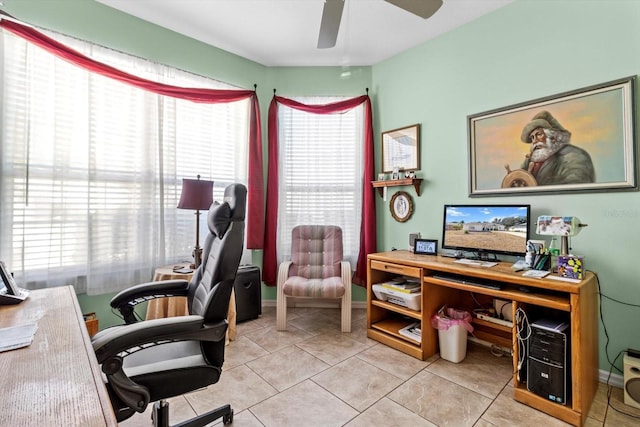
285, 32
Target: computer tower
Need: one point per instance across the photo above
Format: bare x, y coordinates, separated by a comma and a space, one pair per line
549, 360
247, 288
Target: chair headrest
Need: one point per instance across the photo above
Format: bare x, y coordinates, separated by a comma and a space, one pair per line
231, 209
236, 196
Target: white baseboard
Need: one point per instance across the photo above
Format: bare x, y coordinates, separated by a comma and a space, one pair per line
616, 380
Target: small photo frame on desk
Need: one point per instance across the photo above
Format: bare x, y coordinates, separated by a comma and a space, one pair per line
7, 279
426, 247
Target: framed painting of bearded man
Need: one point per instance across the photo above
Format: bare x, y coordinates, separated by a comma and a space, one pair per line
578, 141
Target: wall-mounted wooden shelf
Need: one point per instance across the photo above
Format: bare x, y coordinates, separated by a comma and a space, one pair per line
416, 182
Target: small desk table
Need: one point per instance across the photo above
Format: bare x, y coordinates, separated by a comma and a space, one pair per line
56, 380
177, 306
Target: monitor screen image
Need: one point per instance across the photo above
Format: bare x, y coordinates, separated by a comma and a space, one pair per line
481, 230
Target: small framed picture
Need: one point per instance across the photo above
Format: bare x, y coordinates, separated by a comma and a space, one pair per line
426, 247
7, 279
401, 148
382, 176
395, 174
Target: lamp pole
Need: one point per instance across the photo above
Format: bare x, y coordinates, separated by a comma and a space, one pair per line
197, 251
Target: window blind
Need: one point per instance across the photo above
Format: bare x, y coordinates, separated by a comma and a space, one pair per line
320, 170
92, 168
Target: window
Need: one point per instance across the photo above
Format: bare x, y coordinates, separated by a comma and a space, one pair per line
320, 170
91, 169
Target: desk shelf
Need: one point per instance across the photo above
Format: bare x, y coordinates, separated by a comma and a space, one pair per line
398, 309
556, 301
380, 185
392, 326
492, 332
577, 302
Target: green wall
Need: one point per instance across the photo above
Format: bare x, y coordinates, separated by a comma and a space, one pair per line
524, 51
95, 22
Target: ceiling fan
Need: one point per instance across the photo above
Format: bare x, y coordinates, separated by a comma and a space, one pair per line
332, 14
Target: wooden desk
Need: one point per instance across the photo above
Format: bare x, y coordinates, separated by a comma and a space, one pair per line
177, 306
578, 302
56, 380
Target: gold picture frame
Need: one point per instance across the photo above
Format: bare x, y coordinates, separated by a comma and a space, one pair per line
401, 149
578, 141
401, 206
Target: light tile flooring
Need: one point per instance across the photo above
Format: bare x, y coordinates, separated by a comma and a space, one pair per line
314, 375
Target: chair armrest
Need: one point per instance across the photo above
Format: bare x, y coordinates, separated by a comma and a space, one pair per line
283, 273
346, 275
126, 300
130, 338
144, 291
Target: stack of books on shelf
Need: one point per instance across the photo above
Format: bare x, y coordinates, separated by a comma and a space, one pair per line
412, 331
402, 285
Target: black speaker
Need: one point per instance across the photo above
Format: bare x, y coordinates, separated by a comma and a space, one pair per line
247, 288
549, 361
631, 381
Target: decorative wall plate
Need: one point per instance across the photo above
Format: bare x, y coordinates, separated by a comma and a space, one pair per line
401, 206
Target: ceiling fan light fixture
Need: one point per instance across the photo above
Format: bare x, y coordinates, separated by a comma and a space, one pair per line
423, 8
332, 15
330, 23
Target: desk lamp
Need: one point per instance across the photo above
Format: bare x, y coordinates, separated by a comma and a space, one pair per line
563, 226
196, 194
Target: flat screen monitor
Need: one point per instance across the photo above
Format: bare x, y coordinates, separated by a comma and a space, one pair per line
482, 231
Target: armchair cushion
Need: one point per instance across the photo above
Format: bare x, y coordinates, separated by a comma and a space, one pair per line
331, 287
316, 251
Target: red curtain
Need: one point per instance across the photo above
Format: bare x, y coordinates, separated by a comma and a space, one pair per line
368, 224
255, 187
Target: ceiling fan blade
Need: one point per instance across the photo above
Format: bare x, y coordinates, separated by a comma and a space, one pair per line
330, 24
422, 8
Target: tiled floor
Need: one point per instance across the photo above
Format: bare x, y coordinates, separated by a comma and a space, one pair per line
314, 375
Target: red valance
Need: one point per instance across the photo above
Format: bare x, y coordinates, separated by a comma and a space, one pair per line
255, 199
368, 241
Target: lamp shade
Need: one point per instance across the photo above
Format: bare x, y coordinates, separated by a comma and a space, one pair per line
196, 194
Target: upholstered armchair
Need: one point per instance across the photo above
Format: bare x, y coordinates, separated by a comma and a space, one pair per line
316, 270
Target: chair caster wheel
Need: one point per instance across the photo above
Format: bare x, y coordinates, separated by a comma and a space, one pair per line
227, 419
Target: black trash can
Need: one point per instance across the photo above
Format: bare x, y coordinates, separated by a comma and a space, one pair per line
247, 288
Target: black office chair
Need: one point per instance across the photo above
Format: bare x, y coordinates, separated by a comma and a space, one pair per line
152, 360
